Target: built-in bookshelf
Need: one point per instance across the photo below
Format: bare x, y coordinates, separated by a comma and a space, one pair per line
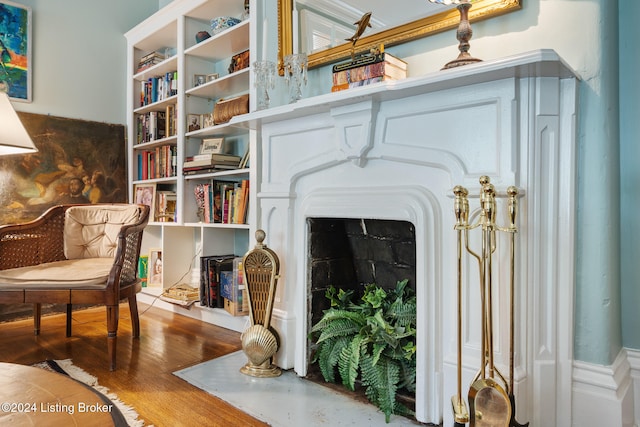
174, 85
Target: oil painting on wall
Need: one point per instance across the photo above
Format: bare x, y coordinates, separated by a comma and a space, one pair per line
78, 162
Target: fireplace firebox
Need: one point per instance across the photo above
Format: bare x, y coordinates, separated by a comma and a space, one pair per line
350, 253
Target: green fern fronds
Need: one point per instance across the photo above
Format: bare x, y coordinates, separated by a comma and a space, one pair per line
349, 362
333, 315
381, 383
404, 313
329, 355
374, 338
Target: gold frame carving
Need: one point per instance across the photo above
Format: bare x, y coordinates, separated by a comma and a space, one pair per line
482, 9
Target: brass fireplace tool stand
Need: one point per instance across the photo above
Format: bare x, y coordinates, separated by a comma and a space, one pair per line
491, 398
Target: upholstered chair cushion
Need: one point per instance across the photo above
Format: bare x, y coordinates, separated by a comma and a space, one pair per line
92, 231
89, 273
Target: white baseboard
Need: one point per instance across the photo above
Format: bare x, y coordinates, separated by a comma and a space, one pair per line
604, 395
633, 356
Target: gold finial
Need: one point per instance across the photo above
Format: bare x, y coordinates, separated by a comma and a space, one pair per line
260, 236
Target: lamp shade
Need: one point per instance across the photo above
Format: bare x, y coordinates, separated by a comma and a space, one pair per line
14, 138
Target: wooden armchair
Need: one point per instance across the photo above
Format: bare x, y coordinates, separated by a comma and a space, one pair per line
75, 254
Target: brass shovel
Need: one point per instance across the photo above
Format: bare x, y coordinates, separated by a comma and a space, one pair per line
489, 403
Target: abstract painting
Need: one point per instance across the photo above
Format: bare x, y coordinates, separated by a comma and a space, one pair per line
15, 50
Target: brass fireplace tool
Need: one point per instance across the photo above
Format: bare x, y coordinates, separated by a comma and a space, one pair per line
491, 398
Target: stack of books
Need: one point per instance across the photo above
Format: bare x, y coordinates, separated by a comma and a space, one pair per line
211, 162
367, 69
149, 60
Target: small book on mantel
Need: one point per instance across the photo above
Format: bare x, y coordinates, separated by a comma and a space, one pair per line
369, 68
371, 58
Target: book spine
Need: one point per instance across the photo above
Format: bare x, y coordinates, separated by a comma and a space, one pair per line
379, 69
336, 88
358, 62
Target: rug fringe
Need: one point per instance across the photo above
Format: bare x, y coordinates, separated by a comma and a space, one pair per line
130, 414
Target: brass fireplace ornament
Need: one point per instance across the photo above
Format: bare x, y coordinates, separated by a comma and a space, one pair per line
361, 26
463, 34
490, 396
261, 268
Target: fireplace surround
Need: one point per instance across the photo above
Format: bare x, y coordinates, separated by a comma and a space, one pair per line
394, 151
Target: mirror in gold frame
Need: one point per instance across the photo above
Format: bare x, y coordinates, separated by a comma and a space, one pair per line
448, 19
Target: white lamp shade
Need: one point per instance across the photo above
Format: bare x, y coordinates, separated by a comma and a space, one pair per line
14, 138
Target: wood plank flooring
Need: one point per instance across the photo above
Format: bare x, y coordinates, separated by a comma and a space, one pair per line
144, 378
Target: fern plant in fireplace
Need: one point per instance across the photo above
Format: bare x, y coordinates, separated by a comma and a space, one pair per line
371, 341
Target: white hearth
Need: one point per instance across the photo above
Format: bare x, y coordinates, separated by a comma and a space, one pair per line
395, 151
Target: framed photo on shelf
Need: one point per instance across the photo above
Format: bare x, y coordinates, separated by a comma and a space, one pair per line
165, 206
199, 79
194, 122
15, 61
145, 194
154, 277
212, 77
211, 146
207, 120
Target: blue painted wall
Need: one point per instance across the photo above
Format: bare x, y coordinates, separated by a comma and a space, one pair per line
79, 57
630, 172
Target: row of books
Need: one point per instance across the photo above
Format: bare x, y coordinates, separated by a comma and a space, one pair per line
149, 60
158, 88
368, 69
151, 126
158, 162
156, 125
211, 267
222, 284
223, 202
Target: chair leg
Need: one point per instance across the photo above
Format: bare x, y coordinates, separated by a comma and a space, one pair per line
37, 312
135, 319
112, 332
69, 310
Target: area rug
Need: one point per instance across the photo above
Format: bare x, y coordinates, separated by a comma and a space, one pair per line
285, 401
125, 416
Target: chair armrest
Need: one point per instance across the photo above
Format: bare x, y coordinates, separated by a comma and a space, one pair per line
34, 242
125, 267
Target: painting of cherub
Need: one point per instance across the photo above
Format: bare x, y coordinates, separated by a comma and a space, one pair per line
76, 160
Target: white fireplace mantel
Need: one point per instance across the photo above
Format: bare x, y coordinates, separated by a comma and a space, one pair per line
395, 150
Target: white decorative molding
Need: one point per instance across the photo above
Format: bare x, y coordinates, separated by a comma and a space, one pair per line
633, 357
354, 126
395, 151
603, 395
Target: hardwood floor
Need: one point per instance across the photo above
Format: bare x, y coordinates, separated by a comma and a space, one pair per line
144, 378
